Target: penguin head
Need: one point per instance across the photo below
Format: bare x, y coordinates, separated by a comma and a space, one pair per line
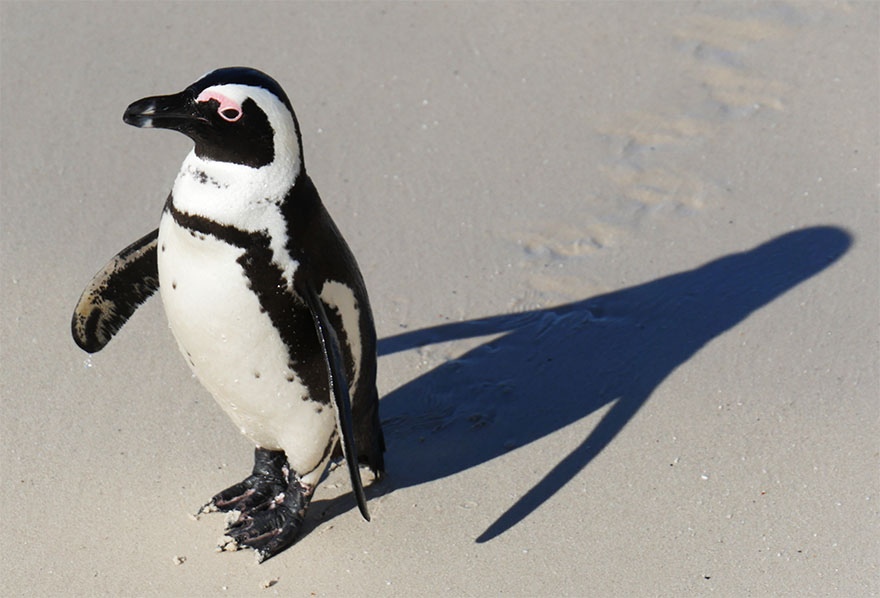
235, 115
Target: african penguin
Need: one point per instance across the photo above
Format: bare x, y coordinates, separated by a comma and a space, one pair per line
263, 296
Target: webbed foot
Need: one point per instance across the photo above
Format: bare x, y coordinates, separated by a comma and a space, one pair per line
271, 528
270, 477
266, 509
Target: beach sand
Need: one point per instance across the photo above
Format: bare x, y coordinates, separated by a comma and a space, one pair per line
623, 260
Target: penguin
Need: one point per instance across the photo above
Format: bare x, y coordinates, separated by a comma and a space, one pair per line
263, 296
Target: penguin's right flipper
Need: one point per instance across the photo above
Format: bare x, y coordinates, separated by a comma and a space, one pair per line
115, 293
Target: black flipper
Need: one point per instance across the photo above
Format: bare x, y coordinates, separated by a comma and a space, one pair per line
115, 293
339, 390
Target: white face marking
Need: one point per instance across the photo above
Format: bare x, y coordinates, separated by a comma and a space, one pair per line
341, 298
242, 196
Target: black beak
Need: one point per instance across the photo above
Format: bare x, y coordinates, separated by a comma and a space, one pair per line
177, 111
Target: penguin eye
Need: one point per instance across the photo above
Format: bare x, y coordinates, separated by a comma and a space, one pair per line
228, 109
229, 114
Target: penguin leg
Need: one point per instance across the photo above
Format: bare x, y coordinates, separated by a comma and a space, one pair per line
268, 479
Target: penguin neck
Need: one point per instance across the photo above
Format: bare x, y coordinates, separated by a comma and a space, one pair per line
235, 194
250, 200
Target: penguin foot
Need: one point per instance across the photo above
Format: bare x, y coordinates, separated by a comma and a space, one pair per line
273, 527
258, 491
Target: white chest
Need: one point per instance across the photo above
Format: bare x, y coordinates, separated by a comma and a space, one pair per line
233, 348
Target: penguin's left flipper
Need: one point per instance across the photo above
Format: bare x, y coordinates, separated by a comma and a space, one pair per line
115, 293
339, 390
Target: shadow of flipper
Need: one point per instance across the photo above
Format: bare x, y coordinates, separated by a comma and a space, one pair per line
552, 367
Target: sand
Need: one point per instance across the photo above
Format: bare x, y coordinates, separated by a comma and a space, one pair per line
623, 260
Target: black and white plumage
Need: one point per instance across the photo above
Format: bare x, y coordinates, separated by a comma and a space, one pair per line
263, 295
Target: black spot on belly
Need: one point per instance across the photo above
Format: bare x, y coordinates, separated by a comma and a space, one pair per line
173, 284
319, 409
257, 375
163, 247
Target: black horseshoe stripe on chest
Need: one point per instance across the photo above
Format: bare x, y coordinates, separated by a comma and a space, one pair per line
288, 312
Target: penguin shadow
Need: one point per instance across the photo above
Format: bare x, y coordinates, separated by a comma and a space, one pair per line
552, 367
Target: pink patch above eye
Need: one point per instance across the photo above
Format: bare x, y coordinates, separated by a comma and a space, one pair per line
229, 109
